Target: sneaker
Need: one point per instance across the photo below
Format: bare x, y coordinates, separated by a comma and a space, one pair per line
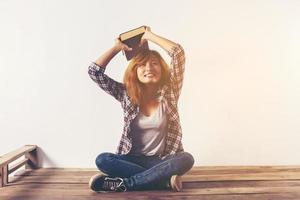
104, 183
176, 183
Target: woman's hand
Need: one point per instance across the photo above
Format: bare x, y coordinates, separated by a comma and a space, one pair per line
159, 40
120, 46
146, 35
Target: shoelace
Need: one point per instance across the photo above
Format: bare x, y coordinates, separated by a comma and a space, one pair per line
114, 184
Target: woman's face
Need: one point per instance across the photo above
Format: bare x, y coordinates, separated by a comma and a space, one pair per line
150, 72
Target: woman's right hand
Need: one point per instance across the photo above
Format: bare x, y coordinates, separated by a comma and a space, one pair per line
121, 46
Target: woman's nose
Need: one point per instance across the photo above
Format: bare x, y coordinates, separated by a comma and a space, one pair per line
148, 65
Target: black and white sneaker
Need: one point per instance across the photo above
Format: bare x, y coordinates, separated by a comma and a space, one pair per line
104, 183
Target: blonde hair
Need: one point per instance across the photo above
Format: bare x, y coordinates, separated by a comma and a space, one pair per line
132, 84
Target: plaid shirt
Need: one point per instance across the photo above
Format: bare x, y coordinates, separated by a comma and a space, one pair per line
168, 93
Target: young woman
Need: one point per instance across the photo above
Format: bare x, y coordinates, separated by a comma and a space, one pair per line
150, 154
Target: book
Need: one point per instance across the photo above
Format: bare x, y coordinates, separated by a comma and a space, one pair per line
132, 39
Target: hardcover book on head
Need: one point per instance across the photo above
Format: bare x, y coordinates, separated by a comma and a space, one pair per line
132, 39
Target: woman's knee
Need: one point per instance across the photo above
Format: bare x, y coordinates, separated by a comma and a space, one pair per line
187, 161
103, 159
189, 158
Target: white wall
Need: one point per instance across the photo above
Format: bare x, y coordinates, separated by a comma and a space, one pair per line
240, 100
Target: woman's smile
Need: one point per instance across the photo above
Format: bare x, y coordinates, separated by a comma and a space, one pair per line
150, 74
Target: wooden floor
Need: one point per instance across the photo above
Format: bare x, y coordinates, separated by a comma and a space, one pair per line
228, 183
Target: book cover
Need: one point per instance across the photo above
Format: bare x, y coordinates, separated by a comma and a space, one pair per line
132, 39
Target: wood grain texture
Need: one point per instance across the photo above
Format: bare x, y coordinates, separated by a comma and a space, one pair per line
30, 152
13, 155
226, 183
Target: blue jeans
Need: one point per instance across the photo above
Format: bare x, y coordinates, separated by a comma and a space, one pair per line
144, 172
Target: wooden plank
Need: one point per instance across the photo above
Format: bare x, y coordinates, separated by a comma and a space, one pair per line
243, 169
198, 170
32, 159
194, 185
58, 184
224, 176
16, 166
83, 179
1, 177
49, 189
150, 196
253, 183
13, 155
53, 172
4, 175
248, 167
249, 176
194, 171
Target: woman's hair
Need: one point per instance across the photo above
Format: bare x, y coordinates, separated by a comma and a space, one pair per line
131, 81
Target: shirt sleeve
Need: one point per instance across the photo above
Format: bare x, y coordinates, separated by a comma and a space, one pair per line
106, 83
177, 68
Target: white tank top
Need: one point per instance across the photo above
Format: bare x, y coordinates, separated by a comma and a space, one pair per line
148, 132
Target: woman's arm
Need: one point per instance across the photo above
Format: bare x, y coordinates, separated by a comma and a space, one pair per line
161, 41
97, 69
106, 57
177, 59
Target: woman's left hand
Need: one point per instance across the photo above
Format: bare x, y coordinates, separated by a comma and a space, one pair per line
146, 35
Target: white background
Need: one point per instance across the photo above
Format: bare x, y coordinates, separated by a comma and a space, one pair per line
240, 103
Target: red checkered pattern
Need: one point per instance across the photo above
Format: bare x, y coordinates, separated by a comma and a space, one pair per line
169, 94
